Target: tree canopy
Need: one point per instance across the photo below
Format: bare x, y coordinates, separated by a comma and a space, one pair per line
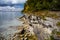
37, 5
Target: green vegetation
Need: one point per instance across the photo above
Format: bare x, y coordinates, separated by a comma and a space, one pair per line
51, 38
37, 5
58, 24
55, 32
42, 8
58, 33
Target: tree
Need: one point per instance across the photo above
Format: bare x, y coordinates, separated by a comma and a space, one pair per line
37, 5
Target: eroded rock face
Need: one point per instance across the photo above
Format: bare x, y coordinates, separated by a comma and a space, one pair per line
24, 34
35, 28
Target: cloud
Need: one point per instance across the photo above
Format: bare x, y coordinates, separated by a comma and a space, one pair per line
14, 5
18, 1
11, 5
9, 8
12, 1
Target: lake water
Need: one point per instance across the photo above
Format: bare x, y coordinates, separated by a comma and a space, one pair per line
8, 19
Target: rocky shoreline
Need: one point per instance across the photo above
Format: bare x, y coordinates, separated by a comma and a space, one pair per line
34, 28
39, 27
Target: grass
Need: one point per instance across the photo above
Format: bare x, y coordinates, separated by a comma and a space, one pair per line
51, 38
44, 14
58, 33
58, 24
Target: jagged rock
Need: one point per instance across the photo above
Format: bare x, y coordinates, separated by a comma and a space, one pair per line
34, 25
23, 35
23, 31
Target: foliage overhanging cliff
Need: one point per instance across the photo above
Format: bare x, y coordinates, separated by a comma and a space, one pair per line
37, 5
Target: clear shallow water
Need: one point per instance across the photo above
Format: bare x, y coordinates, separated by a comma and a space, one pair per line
8, 19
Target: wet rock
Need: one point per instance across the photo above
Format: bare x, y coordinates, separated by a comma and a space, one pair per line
2, 37
23, 31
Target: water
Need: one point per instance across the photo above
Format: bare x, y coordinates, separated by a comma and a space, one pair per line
8, 16
7, 20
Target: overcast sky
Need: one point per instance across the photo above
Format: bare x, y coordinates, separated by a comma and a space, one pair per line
4, 4
12, 1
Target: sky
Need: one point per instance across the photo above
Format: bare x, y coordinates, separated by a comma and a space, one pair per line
11, 4
12, 1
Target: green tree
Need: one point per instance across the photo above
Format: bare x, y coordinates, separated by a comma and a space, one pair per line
37, 5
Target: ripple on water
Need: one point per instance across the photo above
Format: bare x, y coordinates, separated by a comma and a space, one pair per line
10, 28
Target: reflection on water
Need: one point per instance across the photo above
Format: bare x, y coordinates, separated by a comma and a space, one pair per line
8, 19
8, 16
